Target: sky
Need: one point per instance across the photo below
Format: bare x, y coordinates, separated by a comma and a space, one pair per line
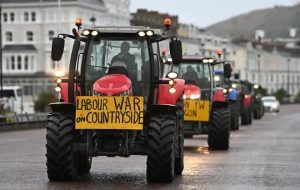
203, 13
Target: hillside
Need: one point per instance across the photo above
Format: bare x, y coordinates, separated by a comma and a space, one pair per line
275, 21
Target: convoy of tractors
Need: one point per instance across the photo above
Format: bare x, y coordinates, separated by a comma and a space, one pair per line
122, 97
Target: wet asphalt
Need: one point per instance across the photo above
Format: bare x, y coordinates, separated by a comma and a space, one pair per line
265, 155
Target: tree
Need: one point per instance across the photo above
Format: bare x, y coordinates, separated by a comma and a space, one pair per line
280, 94
297, 98
43, 100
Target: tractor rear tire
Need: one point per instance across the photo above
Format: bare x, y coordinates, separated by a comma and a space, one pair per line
219, 131
250, 116
179, 160
234, 121
61, 159
245, 116
161, 148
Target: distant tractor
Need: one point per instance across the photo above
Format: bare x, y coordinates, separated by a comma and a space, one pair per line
232, 95
114, 103
205, 106
258, 107
247, 103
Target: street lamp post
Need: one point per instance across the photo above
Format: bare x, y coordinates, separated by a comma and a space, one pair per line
1, 72
258, 67
288, 78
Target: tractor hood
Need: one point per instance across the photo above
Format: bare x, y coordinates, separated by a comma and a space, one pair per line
191, 92
112, 84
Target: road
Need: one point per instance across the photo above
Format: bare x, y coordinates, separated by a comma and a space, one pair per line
265, 155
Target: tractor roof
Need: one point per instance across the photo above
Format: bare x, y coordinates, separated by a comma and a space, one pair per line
126, 29
192, 57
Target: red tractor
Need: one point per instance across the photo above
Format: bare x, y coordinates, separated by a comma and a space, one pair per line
114, 103
205, 106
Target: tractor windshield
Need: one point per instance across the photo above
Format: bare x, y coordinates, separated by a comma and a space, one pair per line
130, 53
195, 73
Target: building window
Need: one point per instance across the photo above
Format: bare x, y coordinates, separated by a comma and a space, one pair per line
32, 62
4, 17
7, 63
26, 17
51, 35
8, 36
19, 62
29, 35
26, 63
12, 63
33, 16
27, 90
12, 17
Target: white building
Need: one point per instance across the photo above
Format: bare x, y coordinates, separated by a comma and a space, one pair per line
28, 27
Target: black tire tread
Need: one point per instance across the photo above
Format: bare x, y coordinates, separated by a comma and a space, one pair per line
161, 157
219, 131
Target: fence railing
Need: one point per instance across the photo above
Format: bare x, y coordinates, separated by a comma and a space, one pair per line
15, 119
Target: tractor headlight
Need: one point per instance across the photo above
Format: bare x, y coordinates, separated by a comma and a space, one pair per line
57, 88
195, 96
172, 75
184, 97
142, 33
233, 85
172, 90
224, 91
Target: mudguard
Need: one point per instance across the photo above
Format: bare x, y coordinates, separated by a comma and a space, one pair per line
219, 99
64, 91
247, 100
232, 95
219, 96
62, 107
163, 108
165, 97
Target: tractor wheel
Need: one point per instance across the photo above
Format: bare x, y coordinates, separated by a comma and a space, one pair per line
234, 121
84, 164
256, 113
245, 116
219, 131
161, 148
250, 116
179, 160
61, 159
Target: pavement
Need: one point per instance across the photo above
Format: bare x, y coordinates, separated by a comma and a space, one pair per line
265, 155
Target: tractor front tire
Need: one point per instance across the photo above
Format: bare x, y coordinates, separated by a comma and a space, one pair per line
161, 148
59, 147
219, 131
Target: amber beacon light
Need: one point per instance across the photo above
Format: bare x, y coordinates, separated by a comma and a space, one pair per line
78, 22
167, 22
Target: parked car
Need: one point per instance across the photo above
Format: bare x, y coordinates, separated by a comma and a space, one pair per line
270, 103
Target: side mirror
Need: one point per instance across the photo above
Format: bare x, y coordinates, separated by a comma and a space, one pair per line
57, 51
236, 76
227, 70
176, 51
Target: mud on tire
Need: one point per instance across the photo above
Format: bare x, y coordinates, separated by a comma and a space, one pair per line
59, 148
219, 131
161, 148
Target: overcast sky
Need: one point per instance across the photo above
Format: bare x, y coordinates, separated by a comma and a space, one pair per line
206, 12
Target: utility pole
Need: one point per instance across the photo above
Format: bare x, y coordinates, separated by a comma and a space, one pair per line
288, 78
258, 68
1, 71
